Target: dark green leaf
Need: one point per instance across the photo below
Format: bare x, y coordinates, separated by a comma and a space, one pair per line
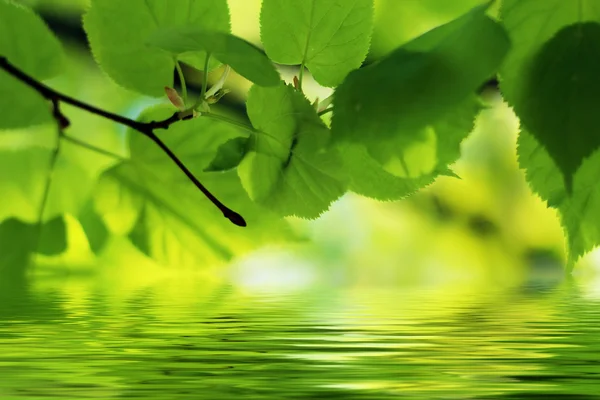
420, 83
243, 57
560, 100
94, 228
550, 76
229, 155
19, 240
392, 171
580, 212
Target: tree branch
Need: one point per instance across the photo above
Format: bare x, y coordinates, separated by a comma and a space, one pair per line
145, 128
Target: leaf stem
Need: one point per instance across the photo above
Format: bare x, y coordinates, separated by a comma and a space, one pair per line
49, 176
248, 128
325, 111
91, 147
301, 76
219, 84
231, 121
205, 80
181, 81
145, 128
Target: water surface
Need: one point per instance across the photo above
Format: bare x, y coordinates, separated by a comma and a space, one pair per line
215, 341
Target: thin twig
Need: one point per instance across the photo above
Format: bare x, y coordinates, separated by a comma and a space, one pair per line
145, 128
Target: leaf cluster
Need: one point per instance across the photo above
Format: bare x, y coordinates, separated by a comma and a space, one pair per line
396, 124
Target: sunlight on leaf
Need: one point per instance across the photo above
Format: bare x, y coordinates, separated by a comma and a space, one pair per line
118, 32
26, 42
330, 37
288, 169
164, 215
23, 177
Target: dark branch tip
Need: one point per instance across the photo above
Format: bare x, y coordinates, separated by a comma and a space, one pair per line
235, 218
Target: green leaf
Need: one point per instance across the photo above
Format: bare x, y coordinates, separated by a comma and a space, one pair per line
197, 142
27, 43
392, 172
23, 178
580, 211
330, 37
151, 201
551, 76
95, 230
229, 155
288, 168
243, 57
19, 240
420, 83
118, 32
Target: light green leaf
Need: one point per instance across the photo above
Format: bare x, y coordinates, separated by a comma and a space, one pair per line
229, 155
118, 32
420, 83
27, 43
551, 76
243, 57
579, 212
151, 201
393, 171
19, 240
23, 177
288, 168
330, 37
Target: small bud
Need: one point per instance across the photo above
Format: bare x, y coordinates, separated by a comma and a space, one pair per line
296, 83
217, 96
174, 98
315, 104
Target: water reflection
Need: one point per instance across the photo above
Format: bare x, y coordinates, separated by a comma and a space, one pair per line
190, 340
